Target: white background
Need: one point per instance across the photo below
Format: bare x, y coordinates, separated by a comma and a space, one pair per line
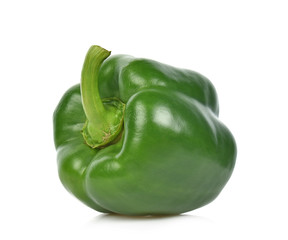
241, 46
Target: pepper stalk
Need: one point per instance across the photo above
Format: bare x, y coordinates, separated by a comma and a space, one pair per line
104, 117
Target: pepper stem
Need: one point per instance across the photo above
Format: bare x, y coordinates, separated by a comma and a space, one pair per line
104, 117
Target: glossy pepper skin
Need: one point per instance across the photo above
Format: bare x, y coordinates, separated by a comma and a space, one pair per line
170, 153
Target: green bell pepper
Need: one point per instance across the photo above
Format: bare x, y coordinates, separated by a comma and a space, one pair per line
139, 137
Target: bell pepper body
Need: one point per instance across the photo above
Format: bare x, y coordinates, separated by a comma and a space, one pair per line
172, 155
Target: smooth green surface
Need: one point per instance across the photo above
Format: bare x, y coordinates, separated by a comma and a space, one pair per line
173, 154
